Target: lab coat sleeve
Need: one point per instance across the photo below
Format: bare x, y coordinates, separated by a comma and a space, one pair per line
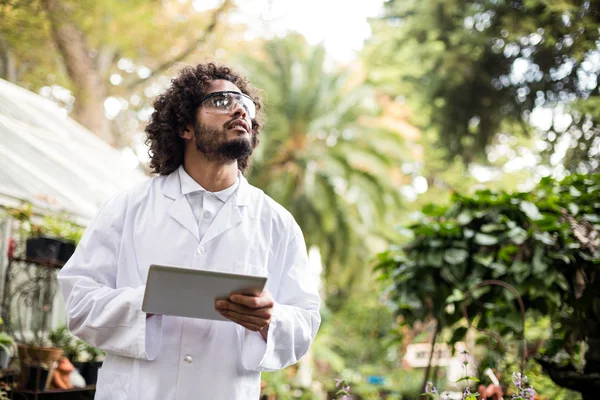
99, 312
296, 317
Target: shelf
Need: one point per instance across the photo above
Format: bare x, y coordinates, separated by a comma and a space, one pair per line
56, 391
42, 263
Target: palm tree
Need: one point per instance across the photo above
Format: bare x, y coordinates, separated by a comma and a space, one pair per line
320, 158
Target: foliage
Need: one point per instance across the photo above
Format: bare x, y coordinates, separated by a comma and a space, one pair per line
544, 243
63, 339
319, 158
74, 348
6, 342
359, 333
281, 385
471, 69
523, 390
58, 224
93, 353
85, 52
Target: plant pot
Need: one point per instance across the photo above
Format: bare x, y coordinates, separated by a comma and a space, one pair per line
4, 358
67, 248
37, 365
89, 371
49, 249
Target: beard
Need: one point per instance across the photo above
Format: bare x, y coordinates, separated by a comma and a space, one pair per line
213, 143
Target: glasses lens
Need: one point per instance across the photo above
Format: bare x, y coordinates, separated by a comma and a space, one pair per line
224, 103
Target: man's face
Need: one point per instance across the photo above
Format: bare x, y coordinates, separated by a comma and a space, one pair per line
223, 136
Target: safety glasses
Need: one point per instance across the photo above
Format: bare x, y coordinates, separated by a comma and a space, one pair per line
224, 102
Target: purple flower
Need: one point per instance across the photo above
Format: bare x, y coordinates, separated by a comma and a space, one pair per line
429, 388
465, 357
517, 379
338, 382
347, 389
529, 392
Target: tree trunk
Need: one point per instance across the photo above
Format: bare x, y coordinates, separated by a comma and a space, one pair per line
89, 87
7, 63
438, 328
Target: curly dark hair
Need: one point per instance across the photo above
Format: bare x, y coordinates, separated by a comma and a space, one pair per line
175, 110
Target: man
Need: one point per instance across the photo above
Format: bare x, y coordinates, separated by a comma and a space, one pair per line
199, 212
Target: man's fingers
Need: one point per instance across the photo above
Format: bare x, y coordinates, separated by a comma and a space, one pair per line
262, 301
264, 313
241, 320
257, 321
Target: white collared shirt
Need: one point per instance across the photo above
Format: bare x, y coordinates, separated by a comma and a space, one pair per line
205, 205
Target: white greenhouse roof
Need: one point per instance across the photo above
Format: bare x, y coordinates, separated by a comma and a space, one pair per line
48, 159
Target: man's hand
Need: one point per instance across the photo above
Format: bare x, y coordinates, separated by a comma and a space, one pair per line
251, 312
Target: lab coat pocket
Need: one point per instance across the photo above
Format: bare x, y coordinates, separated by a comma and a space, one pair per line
112, 386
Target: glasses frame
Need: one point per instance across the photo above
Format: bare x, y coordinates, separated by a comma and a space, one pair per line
208, 96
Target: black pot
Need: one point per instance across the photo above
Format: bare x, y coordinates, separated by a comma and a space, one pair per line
36, 378
89, 371
43, 248
67, 248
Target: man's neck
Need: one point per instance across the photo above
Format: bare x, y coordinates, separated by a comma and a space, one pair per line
213, 176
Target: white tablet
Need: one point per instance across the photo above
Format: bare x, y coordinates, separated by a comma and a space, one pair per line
192, 293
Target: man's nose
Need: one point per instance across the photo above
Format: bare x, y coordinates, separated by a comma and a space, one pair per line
239, 110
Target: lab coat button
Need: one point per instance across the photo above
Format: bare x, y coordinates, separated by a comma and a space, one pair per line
188, 359
207, 215
201, 250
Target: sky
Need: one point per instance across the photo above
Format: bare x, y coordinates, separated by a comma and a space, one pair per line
342, 25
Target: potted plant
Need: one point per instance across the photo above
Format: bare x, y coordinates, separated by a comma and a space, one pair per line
71, 346
50, 239
32, 293
95, 357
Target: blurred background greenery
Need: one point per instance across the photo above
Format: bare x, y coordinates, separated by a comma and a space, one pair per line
374, 109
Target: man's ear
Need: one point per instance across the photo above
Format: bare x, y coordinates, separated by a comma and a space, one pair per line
187, 133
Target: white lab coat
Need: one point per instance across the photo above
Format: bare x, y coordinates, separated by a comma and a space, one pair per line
166, 357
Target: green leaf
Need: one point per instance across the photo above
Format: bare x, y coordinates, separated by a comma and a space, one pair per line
539, 266
434, 258
458, 334
455, 256
485, 239
464, 218
573, 208
498, 269
530, 210
456, 295
574, 192
518, 235
487, 228
483, 259
545, 238
468, 378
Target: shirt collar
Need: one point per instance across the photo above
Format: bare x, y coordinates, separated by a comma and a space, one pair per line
189, 185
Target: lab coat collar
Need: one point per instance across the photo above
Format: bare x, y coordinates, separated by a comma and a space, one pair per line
172, 189
189, 185
229, 216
